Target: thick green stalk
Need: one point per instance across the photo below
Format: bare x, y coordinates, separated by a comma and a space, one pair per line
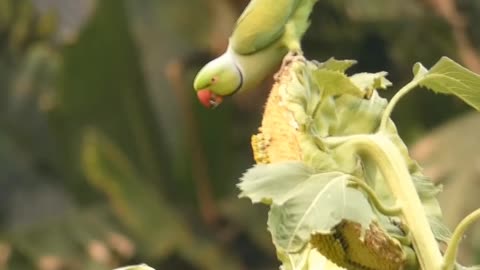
392, 166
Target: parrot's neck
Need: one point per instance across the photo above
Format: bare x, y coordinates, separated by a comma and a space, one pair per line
229, 58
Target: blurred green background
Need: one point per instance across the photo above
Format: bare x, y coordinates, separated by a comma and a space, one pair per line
107, 158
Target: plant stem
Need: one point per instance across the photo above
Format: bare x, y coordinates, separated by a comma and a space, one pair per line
391, 104
386, 210
392, 166
451, 252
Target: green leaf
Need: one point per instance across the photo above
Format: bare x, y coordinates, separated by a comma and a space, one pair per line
440, 230
304, 203
273, 182
370, 81
316, 205
448, 77
427, 191
365, 112
336, 83
337, 65
419, 70
425, 186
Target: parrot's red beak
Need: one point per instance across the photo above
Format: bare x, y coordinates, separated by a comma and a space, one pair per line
209, 99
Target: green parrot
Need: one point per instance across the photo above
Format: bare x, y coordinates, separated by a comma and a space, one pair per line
265, 32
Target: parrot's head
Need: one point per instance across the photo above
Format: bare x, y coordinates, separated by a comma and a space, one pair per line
220, 77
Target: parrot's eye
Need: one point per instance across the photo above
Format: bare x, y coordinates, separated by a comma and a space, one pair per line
214, 79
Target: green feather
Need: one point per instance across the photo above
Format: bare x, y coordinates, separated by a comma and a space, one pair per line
261, 24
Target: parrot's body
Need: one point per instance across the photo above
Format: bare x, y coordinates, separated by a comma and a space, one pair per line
265, 32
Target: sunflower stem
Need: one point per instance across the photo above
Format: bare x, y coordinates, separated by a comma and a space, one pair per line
391, 163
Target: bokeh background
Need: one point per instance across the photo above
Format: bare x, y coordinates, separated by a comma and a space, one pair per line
107, 158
